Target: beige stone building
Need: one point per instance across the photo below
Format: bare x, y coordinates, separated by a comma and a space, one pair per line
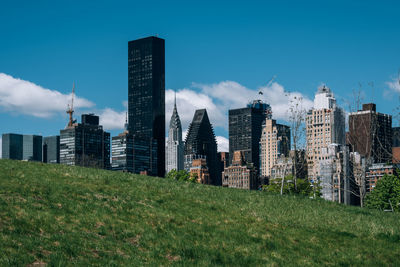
274, 143
240, 174
325, 125
200, 170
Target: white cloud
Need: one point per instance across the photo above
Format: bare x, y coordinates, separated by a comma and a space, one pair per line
218, 98
25, 97
394, 85
223, 144
111, 119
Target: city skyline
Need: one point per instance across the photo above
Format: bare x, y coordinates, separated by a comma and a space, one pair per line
216, 64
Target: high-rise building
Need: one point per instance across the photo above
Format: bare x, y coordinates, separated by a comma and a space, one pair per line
85, 144
175, 146
12, 146
274, 143
325, 125
295, 163
240, 174
51, 149
245, 127
146, 101
370, 134
200, 143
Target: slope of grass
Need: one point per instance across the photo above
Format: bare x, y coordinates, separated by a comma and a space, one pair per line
62, 215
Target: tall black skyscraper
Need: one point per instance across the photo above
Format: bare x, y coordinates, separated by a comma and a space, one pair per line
200, 143
245, 127
146, 99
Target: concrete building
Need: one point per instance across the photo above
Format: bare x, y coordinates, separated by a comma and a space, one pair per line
223, 160
285, 166
175, 146
375, 172
274, 143
85, 144
240, 174
22, 147
370, 134
325, 125
245, 127
199, 169
334, 173
51, 149
12, 146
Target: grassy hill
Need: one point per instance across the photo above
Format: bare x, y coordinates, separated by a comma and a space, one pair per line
59, 215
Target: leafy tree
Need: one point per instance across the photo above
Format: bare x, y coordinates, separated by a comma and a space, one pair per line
386, 194
290, 186
181, 175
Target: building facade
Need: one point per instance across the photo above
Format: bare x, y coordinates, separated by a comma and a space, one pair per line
396, 136
199, 169
240, 174
85, 144
370, 134
294, 164
200, 143
175, 146
325, 125
12, 146
274, 143
51, 149
22, 147
146, 101
375, 172
334, 174
245, 127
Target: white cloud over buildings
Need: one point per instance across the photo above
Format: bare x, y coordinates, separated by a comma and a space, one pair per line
24, 97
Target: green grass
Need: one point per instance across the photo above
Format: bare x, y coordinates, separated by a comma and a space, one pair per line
63, 215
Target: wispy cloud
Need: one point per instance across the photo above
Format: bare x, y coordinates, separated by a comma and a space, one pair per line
25, 97
394, 85
111, 119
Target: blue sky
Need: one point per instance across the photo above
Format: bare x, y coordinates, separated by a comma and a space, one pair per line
217, 53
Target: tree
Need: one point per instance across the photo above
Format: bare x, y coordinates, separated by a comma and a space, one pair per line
287, 186
181, 175
297, 117
386, 194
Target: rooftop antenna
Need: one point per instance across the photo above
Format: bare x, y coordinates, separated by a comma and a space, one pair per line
70, 109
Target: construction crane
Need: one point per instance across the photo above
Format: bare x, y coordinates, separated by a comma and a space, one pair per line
268, 84
70, 109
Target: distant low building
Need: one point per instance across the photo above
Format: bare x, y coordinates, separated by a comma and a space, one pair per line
199, 169
376, 172
22, 147
51, 149
396, 155
240, 174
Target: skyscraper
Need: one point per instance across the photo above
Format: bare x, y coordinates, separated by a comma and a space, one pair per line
51, 149
275, 142
245, 126
122, 151
200, 143
146, 99
175, 145
85, 144
370, 134
325, 125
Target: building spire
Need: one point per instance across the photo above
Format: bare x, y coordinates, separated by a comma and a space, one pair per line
175, 101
